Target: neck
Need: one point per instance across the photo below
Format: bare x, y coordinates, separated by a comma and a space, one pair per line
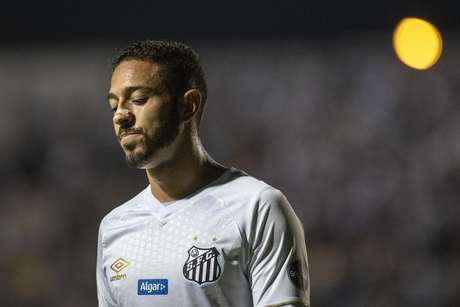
188, 169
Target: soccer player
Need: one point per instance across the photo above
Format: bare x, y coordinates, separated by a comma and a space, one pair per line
200, 234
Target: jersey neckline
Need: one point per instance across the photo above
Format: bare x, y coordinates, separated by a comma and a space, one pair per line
166, 209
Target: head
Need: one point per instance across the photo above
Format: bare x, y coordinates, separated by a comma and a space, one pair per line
157, 95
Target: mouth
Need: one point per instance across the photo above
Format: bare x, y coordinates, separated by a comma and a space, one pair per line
126, 133
130, 140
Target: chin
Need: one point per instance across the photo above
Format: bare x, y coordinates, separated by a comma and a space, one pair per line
134, 163
136, 158
144, 160
147, 155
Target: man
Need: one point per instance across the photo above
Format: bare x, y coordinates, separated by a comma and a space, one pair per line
200, 234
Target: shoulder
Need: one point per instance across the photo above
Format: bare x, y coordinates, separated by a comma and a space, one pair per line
248, 191
239, 189
249, 198
118, 216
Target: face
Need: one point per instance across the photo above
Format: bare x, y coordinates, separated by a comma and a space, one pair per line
145, 118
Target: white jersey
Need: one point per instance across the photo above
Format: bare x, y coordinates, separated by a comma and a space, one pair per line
235, 242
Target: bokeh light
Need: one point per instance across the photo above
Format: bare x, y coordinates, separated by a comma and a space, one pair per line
417, 43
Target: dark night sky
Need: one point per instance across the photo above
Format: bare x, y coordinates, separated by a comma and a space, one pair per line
112, 20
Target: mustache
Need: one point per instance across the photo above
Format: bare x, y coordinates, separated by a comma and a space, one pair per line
124, 132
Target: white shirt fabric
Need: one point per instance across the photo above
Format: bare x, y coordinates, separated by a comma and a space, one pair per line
234, 242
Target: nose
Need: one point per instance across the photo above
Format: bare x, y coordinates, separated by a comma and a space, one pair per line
123, 118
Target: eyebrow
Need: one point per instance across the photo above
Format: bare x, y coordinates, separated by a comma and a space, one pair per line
129, 90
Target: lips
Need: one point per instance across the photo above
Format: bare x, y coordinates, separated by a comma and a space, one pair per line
125, 133
130, 140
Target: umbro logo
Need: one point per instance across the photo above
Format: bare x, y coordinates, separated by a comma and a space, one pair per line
117, 267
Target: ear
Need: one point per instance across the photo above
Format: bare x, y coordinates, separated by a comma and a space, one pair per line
190, 104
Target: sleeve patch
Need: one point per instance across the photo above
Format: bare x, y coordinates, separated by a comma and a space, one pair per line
295, 274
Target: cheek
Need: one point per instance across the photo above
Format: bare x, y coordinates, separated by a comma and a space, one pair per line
147, 120
152, 117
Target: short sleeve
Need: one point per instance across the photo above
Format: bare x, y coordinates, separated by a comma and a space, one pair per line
103, 291
278, 264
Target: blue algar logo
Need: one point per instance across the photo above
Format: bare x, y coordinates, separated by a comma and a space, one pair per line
152, 287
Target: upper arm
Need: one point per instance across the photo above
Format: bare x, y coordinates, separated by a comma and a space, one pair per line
103, 291
278, 264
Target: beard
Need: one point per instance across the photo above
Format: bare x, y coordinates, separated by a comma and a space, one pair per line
164, 136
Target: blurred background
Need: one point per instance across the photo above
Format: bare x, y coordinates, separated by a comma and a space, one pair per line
307, 96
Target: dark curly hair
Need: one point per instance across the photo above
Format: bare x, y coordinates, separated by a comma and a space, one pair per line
180, 67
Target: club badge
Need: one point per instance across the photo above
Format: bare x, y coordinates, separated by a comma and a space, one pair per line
202, 265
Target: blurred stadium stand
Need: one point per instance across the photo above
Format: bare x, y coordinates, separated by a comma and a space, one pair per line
366, 150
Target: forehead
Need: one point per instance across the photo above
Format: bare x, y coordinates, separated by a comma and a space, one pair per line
135, 73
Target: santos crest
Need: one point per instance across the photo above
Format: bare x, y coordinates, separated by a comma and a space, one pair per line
202, 265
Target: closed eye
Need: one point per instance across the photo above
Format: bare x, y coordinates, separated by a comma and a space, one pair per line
140, 101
